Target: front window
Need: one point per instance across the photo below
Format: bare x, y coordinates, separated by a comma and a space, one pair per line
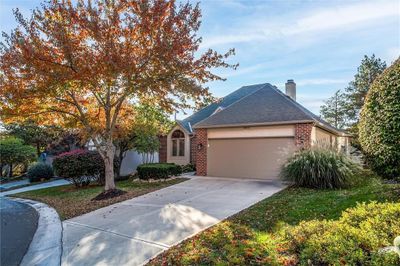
178, 143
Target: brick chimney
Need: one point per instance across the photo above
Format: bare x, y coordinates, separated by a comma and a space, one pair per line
291, 89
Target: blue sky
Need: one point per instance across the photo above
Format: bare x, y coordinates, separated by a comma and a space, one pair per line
319, 44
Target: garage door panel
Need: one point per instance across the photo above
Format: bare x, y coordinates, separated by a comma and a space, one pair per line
248, 158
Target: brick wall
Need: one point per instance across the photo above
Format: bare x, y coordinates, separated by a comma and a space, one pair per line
162, 152
201, 155
303, 135
193, 150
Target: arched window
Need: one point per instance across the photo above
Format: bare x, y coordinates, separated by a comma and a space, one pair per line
178, 143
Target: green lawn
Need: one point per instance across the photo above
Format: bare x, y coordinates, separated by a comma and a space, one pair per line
70, 201
247, 237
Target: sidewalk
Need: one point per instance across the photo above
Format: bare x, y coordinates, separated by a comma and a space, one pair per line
55, 183
14, 184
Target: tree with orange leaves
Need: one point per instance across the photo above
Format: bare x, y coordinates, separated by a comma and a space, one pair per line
84, 64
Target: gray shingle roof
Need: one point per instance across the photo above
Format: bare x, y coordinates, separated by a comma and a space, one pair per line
202, 114
257, 104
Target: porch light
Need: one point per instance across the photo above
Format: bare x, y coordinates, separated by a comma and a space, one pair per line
199, 146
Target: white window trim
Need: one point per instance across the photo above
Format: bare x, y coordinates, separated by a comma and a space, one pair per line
179, 147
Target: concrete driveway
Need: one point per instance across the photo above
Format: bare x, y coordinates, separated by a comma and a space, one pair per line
136, 230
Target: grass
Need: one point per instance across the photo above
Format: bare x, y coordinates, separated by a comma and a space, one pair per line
70, 201
247, 237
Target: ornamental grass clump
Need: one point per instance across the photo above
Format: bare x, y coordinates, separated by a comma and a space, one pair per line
320, 168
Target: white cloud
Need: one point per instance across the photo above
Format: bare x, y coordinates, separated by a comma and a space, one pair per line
317, 81
392, 54
234, 38
315, 22
244, 70
321, 81
344, 16
312, 103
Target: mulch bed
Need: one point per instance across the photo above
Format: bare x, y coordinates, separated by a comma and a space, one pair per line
109, 194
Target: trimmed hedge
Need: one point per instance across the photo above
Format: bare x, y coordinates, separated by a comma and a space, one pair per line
158, 170
188, 168
320, 168
379, 125
355, 239
80, 167
40, 171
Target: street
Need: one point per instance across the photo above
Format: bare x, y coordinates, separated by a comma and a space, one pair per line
18, 225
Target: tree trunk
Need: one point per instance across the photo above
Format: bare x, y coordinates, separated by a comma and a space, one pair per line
108, 156
38, 149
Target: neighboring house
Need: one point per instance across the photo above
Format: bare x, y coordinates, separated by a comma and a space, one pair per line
130, 162
249, 134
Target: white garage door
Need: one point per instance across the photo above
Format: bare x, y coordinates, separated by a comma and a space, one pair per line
248, 158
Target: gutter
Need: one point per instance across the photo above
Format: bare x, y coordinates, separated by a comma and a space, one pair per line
316, 123
256, 124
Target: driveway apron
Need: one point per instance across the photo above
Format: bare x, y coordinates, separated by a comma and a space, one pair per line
136, 230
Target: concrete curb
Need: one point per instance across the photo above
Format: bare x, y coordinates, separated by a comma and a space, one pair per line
46, 246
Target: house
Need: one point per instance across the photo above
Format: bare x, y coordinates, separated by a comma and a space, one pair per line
248, 134
132, 159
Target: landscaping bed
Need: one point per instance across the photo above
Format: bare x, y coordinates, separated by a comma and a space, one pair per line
70, 201
271, 231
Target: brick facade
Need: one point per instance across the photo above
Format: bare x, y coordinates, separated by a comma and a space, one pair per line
193, 150
302, 135
162, 152
201, 154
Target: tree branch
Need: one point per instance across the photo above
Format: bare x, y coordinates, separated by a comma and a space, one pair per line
55, 63
61, 111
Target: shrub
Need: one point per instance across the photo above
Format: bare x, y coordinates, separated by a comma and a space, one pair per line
188, 168
80, 167
355, 239
380, 123
319, 168
158, 170
40, 171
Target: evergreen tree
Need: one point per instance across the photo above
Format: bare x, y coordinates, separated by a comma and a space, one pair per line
334, 110
370, 68
343, 109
